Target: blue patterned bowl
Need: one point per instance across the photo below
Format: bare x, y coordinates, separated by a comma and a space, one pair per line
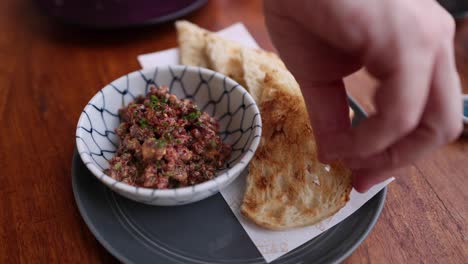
220, 96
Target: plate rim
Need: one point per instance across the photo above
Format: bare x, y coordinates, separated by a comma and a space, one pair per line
87, 218
111, 250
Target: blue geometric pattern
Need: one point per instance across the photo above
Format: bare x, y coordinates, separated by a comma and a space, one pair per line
221, 97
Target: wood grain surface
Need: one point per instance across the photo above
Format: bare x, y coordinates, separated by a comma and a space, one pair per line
48, 72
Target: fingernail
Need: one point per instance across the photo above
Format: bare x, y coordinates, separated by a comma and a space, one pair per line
361, 189
360, 182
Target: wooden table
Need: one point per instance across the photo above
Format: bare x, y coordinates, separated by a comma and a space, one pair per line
49, 72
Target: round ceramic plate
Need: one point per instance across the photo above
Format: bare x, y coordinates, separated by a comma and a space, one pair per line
203, 232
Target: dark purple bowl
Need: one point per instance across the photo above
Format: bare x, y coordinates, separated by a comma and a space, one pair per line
458, 8
118, 13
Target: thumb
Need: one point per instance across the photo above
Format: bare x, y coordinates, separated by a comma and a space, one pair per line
328, 111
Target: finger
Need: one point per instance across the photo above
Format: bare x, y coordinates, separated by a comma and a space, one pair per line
400, 101
329, 114
440, 123
321, 83
363, 180
404, 152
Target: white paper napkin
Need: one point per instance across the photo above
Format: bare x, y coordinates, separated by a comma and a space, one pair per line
271, 244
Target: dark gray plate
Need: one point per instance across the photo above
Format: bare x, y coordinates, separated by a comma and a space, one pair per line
203, 232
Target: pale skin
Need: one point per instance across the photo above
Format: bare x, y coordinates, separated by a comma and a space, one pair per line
406, 45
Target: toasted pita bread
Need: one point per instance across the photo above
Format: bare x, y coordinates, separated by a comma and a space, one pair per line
255, 64
287, 186
199, 47
192, 42
224, 56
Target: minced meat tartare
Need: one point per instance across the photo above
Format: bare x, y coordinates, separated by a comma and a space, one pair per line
166, 142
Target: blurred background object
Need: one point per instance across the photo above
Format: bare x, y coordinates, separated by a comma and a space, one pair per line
458, 8
118, 13
465, 114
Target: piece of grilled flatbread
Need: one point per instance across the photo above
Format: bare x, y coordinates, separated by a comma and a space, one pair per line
224, 56
287, 186
255, 64
199, 47
192, 43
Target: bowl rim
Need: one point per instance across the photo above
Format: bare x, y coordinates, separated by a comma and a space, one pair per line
210, 185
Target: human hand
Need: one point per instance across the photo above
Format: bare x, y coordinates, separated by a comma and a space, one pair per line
406, 45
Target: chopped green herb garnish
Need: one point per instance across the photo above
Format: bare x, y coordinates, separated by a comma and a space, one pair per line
161, 143
155, 102
169, 137
143, 122
213, 144
155, 105
178, 141
117, 166
165, 123
193, 115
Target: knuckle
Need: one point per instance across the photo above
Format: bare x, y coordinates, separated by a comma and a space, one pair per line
447, 25
427, 36
426, 29
403, 124
444, 132
452, 132
361, 18
422, 32
429, 132
430, 34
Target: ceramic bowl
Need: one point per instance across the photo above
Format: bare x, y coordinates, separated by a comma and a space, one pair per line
220, 96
